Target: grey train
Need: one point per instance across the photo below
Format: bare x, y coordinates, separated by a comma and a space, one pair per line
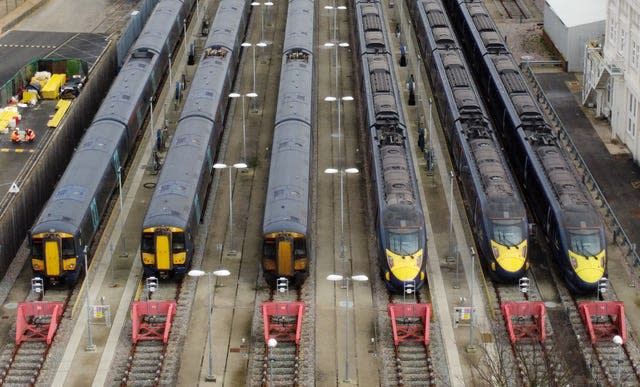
285, 225
497, 213
399, 218
176, 208
71, 217
555, 193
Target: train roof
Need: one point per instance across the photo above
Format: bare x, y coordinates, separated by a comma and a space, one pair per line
287, 202
298, 35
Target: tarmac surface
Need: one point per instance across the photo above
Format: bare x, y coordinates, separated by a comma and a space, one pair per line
18, 48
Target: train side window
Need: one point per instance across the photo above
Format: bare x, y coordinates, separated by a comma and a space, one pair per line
146, 244
68, 249
299, 248
178, 242
37, 249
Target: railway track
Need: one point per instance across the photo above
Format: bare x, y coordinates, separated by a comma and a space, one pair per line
145, 363
530, 359
413, 361
22, 363
609, 364
280, 354
514, 9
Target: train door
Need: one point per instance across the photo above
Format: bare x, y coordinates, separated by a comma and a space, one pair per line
284, 253
163, 250
52, 255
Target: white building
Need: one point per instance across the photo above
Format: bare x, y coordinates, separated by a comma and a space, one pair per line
612, 73
570, 24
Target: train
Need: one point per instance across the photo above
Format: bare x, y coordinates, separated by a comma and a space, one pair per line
399, 220
177, 206
494, 205
71, 217
556, 196
285, 225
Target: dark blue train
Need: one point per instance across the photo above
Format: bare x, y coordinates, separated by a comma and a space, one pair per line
285, 227
399, 218
556, 195
494, 206
71, 217
176, 208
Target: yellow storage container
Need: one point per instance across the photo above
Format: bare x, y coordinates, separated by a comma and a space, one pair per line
52, 89
5, 117
28, 95
61, 109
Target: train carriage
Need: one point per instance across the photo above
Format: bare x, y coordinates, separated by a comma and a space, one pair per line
399, 218
176, 209
492, 199
556, 195
285, 225
70, 219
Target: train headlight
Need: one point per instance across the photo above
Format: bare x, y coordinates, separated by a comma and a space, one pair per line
69, 264
573, 260
524, 251
603, 261
418, 257
37, 264
496, 251
390, 260
148, 259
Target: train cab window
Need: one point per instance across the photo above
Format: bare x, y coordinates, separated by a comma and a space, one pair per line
37, 248
269, 248
68, 248
147, 245
585, 243
507, 233
177, 242
404, 243
299, 248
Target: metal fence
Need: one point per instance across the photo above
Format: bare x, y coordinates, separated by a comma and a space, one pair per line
620, 237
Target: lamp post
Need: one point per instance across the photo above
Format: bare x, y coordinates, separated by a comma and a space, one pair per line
357, 278
90, 346
272, 344
244, 122
336, 45
237, 166
265, 4
339, 103
335, 17
342, 172
253, 89
617, 340
124, 250
218, 273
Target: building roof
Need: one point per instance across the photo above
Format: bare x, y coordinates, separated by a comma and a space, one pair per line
590, 11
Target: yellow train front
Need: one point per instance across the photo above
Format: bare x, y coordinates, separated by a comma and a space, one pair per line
165, 252
403, 245
580, 247
285, 256
503, 242
56, 257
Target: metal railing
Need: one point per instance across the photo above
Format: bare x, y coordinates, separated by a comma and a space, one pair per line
620, 237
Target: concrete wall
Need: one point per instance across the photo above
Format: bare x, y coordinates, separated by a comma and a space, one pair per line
577, 38
570, 41
556, 30
36, 182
